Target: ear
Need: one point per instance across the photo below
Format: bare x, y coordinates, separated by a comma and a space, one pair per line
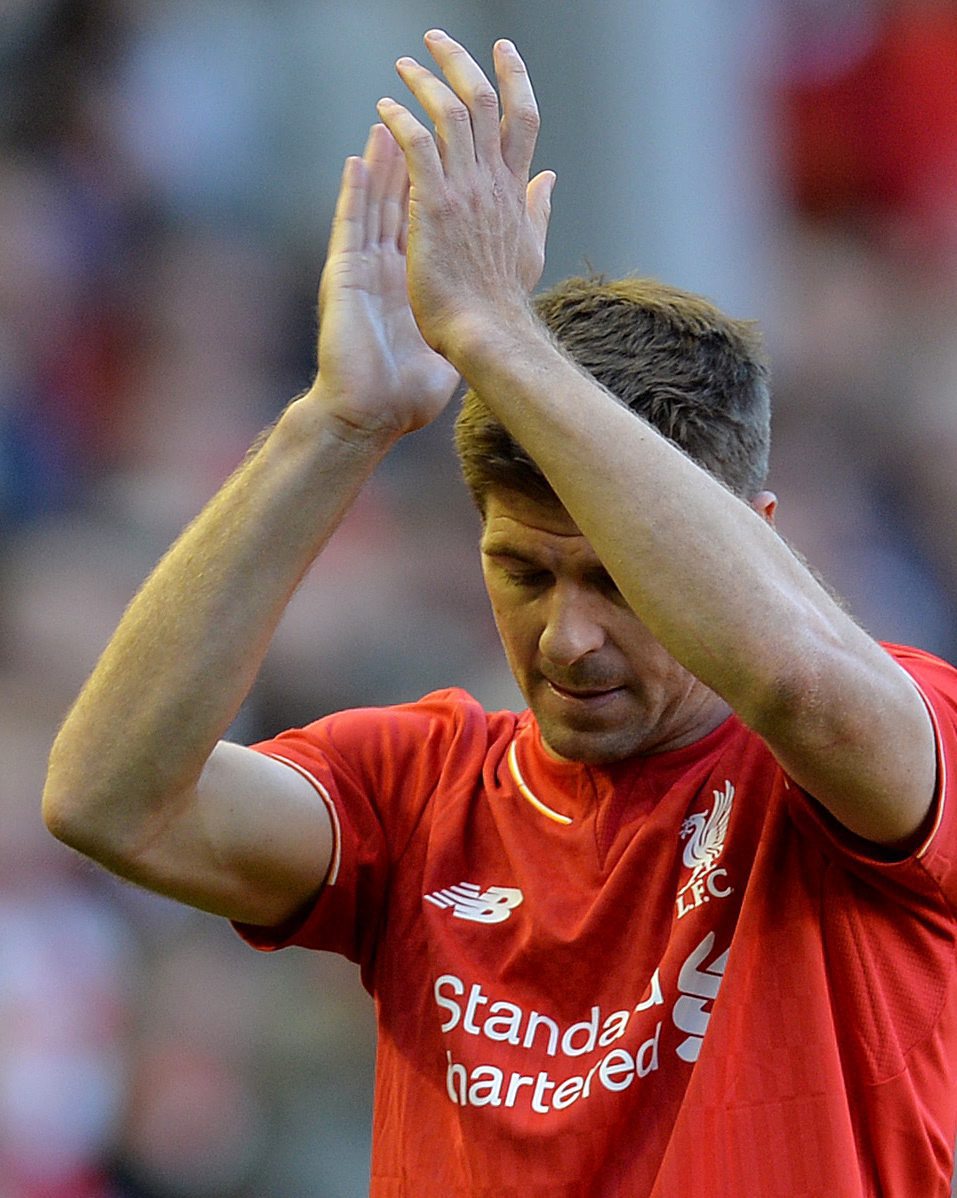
765, 503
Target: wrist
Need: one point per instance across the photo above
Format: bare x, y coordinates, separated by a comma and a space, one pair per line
320, 415
477, 341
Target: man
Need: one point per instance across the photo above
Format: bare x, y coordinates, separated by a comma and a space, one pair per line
686, 926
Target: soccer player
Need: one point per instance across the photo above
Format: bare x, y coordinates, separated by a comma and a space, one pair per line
686, 925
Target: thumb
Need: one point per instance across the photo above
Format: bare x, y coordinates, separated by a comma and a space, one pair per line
538, 201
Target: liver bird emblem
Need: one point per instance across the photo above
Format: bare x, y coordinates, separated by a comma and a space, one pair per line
706, 831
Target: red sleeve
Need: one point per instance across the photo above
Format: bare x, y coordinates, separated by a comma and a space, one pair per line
937, 682
929, 869
376, 770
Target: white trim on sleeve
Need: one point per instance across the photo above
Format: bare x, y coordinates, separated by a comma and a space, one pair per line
333, 815
941, 792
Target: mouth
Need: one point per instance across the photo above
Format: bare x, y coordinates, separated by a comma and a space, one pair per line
586, 696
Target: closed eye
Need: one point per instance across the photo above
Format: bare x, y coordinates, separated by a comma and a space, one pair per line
519, 571
530, 579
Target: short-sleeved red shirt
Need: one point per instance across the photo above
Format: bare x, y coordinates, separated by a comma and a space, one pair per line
672, 975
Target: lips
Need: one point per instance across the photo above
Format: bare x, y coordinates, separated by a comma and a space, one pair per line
583, 694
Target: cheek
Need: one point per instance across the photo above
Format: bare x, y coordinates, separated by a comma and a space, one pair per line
518, 634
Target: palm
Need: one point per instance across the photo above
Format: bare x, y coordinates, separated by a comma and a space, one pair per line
370, 346
371, 354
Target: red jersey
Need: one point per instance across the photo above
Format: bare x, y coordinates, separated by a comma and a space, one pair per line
673, 975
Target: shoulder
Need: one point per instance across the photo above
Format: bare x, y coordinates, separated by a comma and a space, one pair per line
924, 667
440, 723
936, 681
435, 716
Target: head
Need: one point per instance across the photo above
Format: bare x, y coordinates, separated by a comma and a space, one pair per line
673, 358
600, 686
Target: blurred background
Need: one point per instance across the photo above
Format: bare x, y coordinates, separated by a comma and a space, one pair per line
168, 170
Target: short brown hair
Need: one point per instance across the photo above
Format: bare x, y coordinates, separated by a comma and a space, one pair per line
698, 376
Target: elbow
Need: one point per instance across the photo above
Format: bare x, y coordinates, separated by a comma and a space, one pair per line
78, 813
52, 811
809, 698
85, 824
110, 815
791, 695
64, 816
56, 808
784, 702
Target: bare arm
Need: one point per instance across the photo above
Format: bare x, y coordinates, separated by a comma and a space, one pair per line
709, 577
722, 592
138, 778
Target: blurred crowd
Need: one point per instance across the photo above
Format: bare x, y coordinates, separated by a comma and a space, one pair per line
864, 345
161, 235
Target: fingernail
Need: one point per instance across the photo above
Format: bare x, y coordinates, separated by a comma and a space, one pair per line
507, 46
436, 34
405, 61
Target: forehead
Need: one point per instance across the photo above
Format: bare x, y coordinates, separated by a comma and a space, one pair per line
515, 522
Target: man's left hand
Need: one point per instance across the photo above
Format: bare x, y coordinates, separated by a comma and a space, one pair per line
477, 225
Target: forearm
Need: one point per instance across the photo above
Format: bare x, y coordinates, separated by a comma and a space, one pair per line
705, 573
188, 648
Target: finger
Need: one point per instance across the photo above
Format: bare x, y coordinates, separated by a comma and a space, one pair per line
449, 115
377, 157
395, 197
417, 144
348, 222
470, 84
538, 202
402, 236
538, 206
520, 119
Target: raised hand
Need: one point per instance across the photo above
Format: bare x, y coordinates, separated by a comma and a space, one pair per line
477, 226
377, 374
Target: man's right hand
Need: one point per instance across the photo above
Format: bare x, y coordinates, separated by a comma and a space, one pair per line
376, 374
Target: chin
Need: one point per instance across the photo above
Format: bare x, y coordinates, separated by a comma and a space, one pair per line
590, 748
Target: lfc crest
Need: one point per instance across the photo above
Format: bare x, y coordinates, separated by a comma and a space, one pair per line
705, 832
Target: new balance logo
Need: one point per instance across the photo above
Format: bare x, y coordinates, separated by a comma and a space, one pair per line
489, 906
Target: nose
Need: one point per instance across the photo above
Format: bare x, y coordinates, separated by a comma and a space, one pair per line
572, 626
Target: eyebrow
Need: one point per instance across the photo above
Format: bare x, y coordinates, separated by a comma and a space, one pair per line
515, 555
